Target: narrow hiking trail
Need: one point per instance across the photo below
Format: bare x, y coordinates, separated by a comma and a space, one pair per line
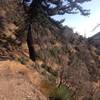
16, 82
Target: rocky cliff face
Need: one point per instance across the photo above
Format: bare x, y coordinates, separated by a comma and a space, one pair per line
62, 57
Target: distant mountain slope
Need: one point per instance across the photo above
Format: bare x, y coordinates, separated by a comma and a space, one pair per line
95, 40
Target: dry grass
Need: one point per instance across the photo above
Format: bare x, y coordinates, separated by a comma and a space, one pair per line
15, 67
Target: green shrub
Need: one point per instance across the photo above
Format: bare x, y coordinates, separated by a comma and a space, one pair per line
61, 93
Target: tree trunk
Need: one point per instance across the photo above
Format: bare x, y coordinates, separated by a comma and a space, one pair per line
32, 53
33, 14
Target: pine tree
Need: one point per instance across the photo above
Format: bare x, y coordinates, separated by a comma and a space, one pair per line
60, 7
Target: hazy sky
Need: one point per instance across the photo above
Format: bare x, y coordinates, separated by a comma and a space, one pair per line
82, 24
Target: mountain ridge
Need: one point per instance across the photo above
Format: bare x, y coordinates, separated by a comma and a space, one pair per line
95, 40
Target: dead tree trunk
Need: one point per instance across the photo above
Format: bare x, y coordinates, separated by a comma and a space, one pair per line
32, 52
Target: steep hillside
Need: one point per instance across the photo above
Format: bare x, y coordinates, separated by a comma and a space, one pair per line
95, 40
65, 65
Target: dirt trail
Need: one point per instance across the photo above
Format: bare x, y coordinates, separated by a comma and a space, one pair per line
15, 84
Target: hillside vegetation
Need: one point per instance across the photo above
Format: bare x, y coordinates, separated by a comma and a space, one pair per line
66, 65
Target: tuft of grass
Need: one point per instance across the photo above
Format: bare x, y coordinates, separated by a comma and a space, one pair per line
54, 52
61, 93
23, 60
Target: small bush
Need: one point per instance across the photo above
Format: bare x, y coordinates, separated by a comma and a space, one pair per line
22, 60
49, 69
54, 52
61, 93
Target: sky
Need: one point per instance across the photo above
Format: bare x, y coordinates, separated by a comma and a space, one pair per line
84, 24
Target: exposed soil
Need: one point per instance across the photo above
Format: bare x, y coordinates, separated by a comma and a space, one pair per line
15, 85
